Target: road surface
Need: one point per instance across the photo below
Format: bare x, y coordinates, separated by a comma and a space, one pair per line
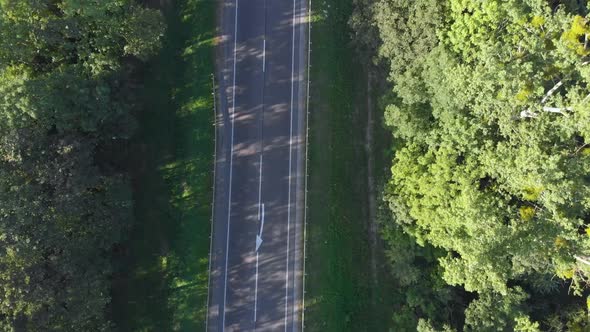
257, 239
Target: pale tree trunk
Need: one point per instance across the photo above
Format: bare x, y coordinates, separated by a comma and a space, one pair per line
530, 114
582, 260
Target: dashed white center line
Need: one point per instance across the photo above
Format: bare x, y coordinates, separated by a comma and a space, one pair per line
264, 55
256, 289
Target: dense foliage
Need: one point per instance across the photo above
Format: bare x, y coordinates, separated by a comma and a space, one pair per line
491, 176
66, 102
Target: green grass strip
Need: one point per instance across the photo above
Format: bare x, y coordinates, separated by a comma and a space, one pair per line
161, 280
338, 283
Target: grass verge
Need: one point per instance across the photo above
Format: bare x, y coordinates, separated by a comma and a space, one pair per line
340, 293
160, 282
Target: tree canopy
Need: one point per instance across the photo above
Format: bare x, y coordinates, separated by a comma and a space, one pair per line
66, 94
490, 115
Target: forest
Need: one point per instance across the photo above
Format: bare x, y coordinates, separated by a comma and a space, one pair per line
486, 213
68, 104
488, 226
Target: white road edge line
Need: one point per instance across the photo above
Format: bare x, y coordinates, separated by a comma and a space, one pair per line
290, 155
296, 306
231, 159
264, 55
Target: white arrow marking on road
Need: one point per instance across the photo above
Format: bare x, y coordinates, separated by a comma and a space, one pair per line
259, 236
258, 243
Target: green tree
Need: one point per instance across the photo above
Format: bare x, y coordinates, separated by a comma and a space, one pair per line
489, 110
66, 93
493, 312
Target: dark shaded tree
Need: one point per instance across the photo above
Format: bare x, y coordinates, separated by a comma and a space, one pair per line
63, 68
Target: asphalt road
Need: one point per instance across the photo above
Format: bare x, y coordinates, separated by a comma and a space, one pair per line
257, 241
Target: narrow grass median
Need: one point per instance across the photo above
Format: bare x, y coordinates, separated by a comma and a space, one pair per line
161, 279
